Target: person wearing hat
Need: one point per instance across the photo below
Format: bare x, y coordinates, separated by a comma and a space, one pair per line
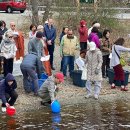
8, 95
47, 91
94, 73
35, 44
83, 33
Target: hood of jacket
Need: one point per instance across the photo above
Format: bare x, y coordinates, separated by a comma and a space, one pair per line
13, 86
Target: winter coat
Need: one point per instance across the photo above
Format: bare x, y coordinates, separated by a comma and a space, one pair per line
68, 46
5, 88
35, 45
32, 61
105, 46
83, 32
93, 37
8, 48
94, 61
50, 34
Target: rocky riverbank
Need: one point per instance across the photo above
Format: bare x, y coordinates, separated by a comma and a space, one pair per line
68, 95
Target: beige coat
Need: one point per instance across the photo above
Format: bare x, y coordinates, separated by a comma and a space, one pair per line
94, 61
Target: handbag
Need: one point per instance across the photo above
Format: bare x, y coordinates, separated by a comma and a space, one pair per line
122, 60
84, 73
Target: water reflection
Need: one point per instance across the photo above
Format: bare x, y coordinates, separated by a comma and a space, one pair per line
92, 116
56, 119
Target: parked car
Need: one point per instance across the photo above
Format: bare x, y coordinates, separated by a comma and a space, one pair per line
12, 5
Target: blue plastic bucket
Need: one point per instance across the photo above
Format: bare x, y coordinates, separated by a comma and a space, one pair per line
40, 82
55, 107
43, 76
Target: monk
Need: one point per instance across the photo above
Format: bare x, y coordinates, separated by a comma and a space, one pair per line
19, 40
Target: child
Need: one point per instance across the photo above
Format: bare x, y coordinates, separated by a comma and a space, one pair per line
80, 62
48, 89
8, 95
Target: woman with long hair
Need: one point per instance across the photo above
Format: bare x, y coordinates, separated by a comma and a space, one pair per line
117, 48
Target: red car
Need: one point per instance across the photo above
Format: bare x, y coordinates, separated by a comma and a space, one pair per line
12, 5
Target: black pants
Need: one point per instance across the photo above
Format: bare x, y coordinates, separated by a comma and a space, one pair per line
8, 66
105, 65
83, 46
51, 51
11, 98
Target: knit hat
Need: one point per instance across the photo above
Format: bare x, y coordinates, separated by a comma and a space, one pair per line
82, 22
39, 34
59, 76
92, 46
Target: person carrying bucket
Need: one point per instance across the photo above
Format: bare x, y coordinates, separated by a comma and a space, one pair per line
8, 95
47, 91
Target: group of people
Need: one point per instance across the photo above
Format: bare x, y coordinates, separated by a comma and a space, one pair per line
93, 46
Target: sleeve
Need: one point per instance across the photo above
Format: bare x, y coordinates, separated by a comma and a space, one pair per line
121, 48
2, 95
29, 47
51, 89
54, 35
100, 60
96, 40
82, 30
61, 46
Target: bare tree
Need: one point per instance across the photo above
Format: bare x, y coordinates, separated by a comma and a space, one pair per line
35, 19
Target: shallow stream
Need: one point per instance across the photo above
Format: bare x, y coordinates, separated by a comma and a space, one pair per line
95, 116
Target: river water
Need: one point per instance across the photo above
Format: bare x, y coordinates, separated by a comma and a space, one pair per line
95, 116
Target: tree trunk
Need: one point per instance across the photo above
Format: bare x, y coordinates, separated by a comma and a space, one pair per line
35, 19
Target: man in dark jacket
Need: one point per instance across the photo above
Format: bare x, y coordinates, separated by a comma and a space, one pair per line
50, 34
8, 95
31, 70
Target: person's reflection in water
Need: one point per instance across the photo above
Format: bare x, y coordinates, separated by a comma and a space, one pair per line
56, 119
11, 123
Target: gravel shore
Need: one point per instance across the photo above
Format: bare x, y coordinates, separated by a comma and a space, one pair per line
68, 94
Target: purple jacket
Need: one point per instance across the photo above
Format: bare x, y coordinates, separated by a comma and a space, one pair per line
93, 37
5, 88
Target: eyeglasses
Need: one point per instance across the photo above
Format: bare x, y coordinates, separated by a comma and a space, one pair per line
70, 34
13, 25
10, 36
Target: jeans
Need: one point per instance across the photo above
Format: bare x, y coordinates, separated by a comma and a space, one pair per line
29, 77
97, 87
11, 98
68, 60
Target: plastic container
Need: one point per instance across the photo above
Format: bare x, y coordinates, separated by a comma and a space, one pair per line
10, 111
55, 107
40, 82
76, 77
111, 77
43, 76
